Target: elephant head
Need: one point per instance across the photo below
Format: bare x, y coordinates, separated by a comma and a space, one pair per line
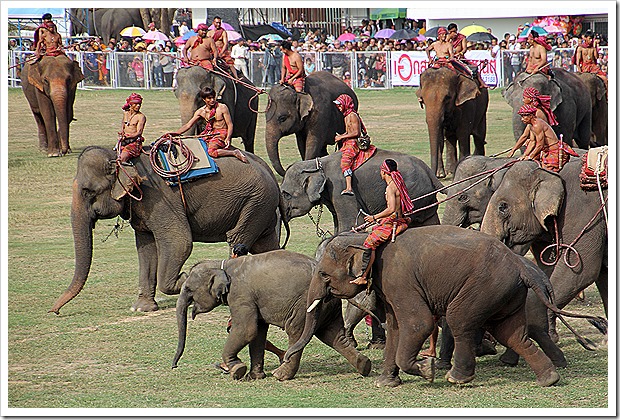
205, 287
97, 194
518, 211
301, 187
287, 112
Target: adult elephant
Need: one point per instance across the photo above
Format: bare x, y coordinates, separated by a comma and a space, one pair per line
598, 97
262, 290
416, 285
558, 210
49, 86
240, 100
238, 205
319, 181
570, 102
310, 115
456, 108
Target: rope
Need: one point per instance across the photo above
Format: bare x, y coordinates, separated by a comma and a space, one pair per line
177, 169
319, 231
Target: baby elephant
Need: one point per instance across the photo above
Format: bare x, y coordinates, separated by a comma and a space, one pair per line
261, 290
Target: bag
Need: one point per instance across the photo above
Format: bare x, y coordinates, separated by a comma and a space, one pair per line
363, 141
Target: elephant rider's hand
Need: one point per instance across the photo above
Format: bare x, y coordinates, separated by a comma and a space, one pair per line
370, 218
227, 144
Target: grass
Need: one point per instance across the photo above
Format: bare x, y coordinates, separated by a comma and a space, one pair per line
98, 354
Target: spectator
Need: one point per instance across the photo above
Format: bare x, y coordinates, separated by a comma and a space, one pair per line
167, 67
515, 58
240, 53
183, 29
137, 68
309, 65
272, 64
158, 71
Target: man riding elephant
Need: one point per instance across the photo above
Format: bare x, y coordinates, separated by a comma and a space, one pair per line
200, 49
47, 40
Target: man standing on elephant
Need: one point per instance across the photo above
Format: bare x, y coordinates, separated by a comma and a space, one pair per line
537, 58
348, 141
201, 49
220, 37
218, 129
554, 153
46, 39
292, 68
130, 137
391, 221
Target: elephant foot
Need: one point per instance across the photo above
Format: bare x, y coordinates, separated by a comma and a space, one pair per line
379, 345
509, 358
256, 375
444, 364
548, 378
363, 365
553, 334
144, 305
559, 362
388, 381
55, 154
352, 340
283, 373
238, 371
485, 348
456, 378
441, 174
427, 368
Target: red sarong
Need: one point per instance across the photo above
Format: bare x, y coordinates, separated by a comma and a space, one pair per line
454, 65
215, 140
383, 231
134, 148
554, 157
590, 66
352, 156
299, 82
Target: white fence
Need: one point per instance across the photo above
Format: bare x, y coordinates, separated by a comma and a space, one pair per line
361, 70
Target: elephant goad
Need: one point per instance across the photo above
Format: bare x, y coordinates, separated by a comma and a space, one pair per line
239, 204
310, 115
456, 108
49, 86
598, 97
241, 101
262, 290
416, 284
570, 101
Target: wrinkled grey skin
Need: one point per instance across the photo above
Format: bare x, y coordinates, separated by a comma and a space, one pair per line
305, 186
598, 97
455, 110
311, 116
49, 86
220, 208
520, 214
240, 100
570, 102
262, 290
415, 283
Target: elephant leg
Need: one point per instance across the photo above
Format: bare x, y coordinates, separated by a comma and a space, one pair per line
333, 335
301, 144
41, 131
288, 369
46, 108
602, 286
147, 260
511, 332
243, 331
415, 331
389, 377
171, 257
437, 154
464, 368
378, 336
446, 350
352, 317
257, 352
451, 143
480, 138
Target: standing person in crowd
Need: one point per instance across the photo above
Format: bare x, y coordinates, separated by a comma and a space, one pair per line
241, 54
271, 63
586, 56
130, 137
47, 40
309, 65
158, 73
292, 68
138, 69
515, 58
167, 67
537, 57
200, 49
183, 29
390, 222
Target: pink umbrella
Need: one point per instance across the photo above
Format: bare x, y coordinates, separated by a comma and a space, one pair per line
552, 29
347, 36
233, 35
155, 36
225, 26
180, 41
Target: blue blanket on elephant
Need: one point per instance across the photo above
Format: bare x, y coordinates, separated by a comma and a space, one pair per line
203, 165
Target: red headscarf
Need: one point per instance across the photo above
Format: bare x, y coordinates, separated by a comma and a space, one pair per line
405, 201
134, 98
202, 26
347, 103
541, 101
540, 40
441, 30
527, 110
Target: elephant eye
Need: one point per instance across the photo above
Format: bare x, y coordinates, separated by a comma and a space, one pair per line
463, 198
324, 276
502, 208
286, 195
88, 193
282, 118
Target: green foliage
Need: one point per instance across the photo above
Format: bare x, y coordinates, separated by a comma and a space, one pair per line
98, 354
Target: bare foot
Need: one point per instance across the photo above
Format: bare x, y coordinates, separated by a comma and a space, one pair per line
428, 353
360, 280
240, 156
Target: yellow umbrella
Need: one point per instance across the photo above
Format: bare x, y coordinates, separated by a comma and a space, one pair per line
472, 29
133, 31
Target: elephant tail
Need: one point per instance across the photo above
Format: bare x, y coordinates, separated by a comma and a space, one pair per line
534, 278
284, 219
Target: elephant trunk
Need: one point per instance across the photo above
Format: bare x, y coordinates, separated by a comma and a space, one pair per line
59, 96
453, 215
183, 302
187, 106
434, 122
272, 139
82, 226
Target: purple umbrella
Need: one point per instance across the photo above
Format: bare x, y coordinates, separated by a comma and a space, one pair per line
225, 26
384, 33
347, 36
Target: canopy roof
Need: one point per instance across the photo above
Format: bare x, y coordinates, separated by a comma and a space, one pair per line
35, 13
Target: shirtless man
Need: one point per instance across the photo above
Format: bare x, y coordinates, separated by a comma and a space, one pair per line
554, 153
537, 58
292, 68
586, 56
130, 137
219, 127
220, 37
348, 141
47, 40
442, 47
458, 40
201, 49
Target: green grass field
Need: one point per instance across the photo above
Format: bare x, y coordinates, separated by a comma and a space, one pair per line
98, 354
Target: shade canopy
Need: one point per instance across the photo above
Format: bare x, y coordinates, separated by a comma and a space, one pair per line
403, 34
388, 13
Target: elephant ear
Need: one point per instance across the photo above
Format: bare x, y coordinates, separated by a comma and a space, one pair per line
314, 185
466, 90
78, 76
556, 94
304, 105
600, 89
126, 177
355, 264
418, 93
220, 285
34, 76
547, 195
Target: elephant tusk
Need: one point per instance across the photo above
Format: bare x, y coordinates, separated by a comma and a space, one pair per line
314, 304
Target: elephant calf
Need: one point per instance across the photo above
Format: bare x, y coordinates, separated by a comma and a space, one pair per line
262, 290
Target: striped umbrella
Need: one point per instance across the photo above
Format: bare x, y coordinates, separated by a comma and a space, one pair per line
133, 31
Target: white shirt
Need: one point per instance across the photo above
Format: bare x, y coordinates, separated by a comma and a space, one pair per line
183, 29
240, 54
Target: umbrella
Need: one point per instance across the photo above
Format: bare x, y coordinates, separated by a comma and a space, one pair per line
403, 34
155, 36
481, 37
432, 32
420, 38
538, 29
468, 30
552, 29
347, 36
225, 26
233, 35
271, 37
189, 34
133, 31
180, 41
384, 33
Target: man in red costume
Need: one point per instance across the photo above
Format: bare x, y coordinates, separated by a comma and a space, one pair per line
537, 57
130, 137
200, 49
586, 57
47, 40
220, 37
292, 68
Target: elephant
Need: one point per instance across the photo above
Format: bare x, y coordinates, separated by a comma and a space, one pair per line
456, 108
240, 100
312, 182
523, 213
415, 284
598, 97
262, 290
310, 115
239, 204
570, 103
49, 86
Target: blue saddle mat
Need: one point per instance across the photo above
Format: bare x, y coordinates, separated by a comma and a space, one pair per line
203, 166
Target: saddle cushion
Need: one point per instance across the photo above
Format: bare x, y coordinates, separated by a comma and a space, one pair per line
203, 165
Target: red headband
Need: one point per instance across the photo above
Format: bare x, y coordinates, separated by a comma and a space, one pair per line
134, 98
442, 30
202, 26
527, 110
